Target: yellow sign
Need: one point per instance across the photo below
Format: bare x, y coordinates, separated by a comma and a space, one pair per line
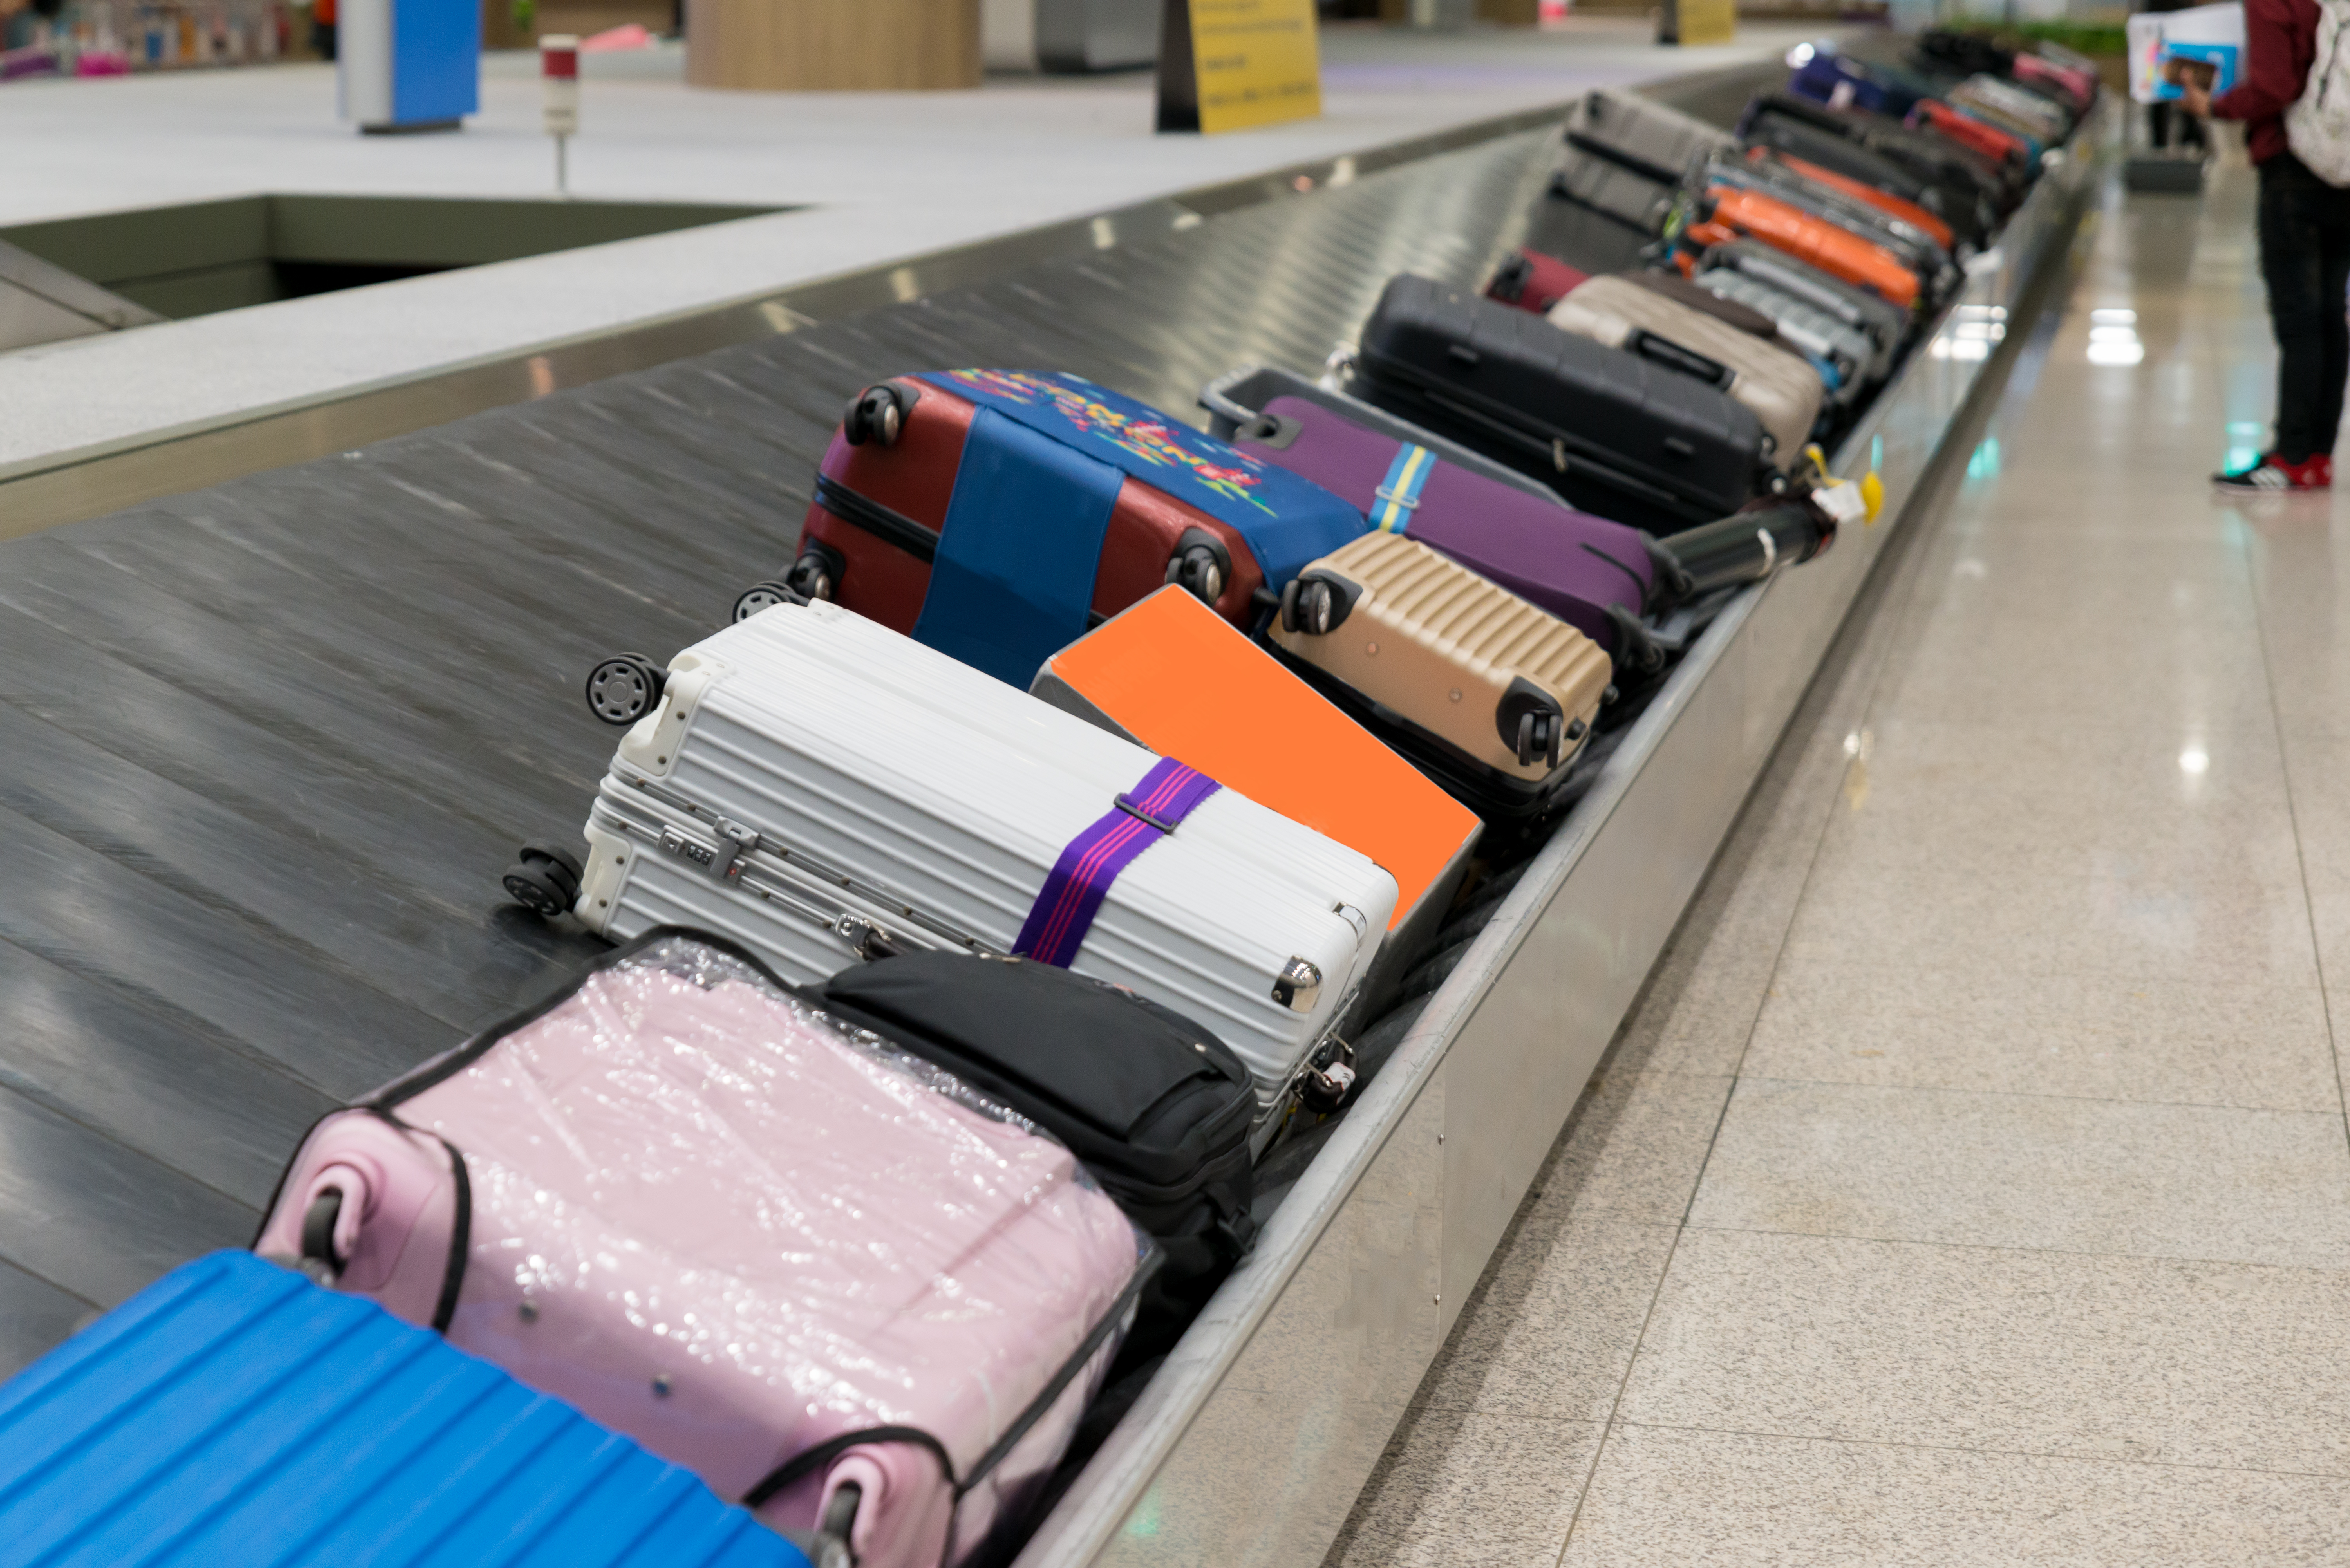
1702, 21
1254, 62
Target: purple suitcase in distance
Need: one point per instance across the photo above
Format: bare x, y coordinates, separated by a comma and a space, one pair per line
788, 1258
1601, 578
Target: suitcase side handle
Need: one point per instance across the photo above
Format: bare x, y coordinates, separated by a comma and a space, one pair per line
1582, 141
1673, 357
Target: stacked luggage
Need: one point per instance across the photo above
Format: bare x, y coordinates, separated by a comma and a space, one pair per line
1059, 836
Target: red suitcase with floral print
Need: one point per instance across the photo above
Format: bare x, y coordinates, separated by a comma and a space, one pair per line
998, 514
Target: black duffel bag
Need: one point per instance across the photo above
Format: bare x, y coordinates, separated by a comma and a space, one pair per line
1156, 1107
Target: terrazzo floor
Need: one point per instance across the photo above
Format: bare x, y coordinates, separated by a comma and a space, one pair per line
1970, 1185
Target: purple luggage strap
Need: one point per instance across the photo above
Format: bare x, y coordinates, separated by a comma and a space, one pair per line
1080, 880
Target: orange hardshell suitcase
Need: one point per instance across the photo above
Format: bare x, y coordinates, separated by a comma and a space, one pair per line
1885, 201
1172, 676
1835, 251
1978, 135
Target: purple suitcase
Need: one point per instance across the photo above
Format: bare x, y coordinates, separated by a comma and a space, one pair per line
787, 1257
1600, 577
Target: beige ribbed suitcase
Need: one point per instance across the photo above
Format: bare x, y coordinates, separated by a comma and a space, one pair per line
1488, 694
1783, 390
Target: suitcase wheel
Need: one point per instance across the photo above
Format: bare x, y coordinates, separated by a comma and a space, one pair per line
624, 688
838, 1524
318, 1258
817, 573
544, 881
1317, 603
1510, 282
877, 413
1531, 723
1200, 565
766, 596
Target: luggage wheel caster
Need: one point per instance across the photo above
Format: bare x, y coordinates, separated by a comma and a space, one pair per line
1201, 566
1315, 605
624, 688
319, 1260
1535, 739
878, 413
817, 573
1531, 724
544, 881
832, 1539
1325, 1087
766, 596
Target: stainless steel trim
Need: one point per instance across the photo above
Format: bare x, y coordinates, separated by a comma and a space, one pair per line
1252, 1443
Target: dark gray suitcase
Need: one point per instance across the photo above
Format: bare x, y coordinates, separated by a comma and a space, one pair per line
1629, 130
1598, 216
1617, 177
1614, 433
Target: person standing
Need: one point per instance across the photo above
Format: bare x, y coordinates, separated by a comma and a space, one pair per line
2164, 118
2304, 238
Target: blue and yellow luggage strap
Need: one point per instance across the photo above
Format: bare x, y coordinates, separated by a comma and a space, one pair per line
1399, 494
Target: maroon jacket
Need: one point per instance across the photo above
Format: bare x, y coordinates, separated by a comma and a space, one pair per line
2280, 43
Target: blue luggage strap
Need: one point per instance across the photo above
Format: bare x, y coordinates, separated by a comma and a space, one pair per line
1080, 880
1013, 580
1398, 495
1287, 521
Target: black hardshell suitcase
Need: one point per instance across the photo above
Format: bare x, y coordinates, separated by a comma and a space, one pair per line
1156, 1107
1617, 435
1946, 50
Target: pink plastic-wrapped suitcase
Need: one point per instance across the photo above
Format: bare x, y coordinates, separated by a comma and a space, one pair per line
829, 1279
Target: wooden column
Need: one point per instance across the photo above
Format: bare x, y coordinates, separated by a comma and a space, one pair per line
832, 46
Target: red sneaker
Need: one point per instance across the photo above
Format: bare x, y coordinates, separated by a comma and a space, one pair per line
2275, 476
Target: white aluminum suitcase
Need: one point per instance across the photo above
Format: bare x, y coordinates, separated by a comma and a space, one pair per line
821, 789
1783, 390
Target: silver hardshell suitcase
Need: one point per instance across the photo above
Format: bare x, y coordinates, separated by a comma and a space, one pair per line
825, 790
1846, 349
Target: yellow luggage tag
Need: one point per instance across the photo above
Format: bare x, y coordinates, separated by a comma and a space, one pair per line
1843, 499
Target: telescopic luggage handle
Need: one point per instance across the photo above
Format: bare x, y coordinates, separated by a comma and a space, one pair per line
1673, 357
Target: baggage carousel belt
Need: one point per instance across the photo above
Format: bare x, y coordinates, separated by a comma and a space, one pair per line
265, 747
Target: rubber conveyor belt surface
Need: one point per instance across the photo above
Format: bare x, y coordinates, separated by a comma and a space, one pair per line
265, 748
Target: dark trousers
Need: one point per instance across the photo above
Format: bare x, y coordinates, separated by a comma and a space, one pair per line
2304, 228
2162, 119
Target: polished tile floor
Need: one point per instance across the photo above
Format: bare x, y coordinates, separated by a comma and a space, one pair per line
1971, 1186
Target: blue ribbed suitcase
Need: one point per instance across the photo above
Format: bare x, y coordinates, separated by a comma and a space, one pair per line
233, 1413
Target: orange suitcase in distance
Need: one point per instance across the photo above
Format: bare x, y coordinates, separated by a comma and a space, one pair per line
1885, 201
1835, 251
1173, 676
